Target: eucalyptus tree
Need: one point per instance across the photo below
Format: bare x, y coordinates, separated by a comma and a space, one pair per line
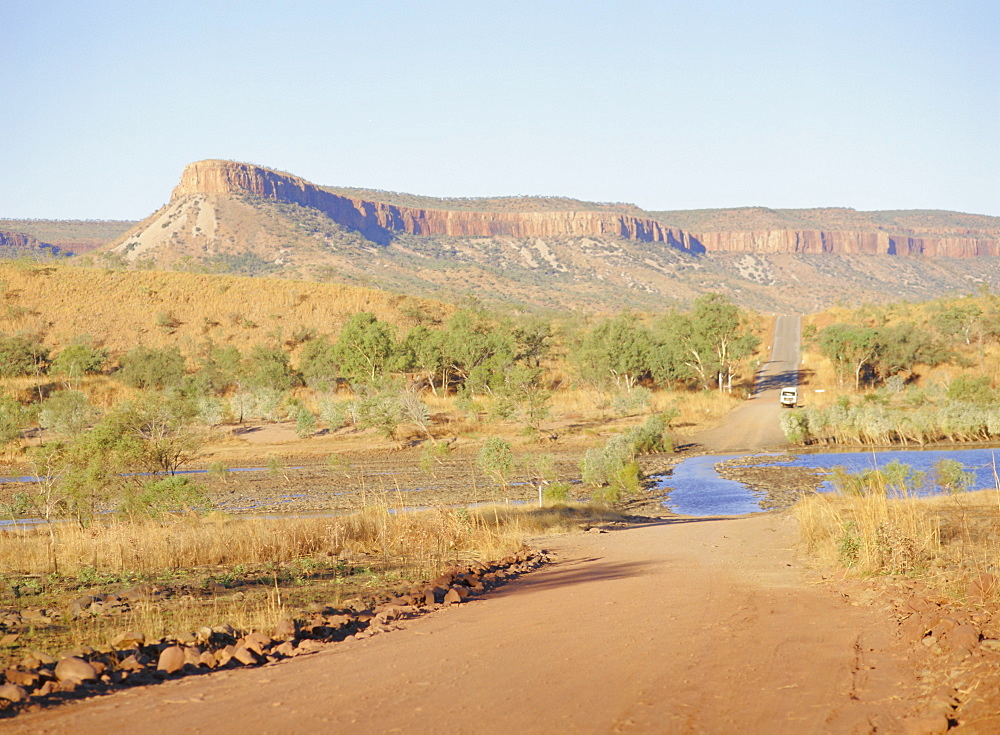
618, 350
851, 348
713, 339
365, 347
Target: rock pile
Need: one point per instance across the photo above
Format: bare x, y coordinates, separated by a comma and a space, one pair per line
961, 642
132, 660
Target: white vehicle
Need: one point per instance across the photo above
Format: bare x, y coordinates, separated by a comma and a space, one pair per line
789, 397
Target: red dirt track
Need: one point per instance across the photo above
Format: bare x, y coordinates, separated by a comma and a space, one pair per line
704, 626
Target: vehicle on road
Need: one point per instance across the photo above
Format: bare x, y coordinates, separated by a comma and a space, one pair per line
789, 397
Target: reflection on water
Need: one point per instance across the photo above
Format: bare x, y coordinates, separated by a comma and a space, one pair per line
977, 461
697, 490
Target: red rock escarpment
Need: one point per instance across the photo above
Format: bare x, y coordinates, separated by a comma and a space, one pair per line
377, 220
844, 243
20, 241
374, 218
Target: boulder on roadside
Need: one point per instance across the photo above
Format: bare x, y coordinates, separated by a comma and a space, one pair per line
129, 639
75, 670
285, 630
13, 693
171, 660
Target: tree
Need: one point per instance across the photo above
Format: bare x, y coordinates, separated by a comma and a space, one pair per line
850, 348
901, 347
319, 364
13, 419
523, 394
218, 370
532, 340
78, 359
424, 351
365, 347
618, 349
269, 367
475, 351
957, 319
22, 354
154, 433
496, 459
713, 339
67, 413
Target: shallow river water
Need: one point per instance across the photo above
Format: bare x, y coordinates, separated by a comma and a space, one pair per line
697, 490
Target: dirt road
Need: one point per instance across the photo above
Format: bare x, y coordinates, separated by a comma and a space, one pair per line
687, 626
754, 425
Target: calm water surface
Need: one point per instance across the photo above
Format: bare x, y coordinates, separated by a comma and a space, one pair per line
699, 491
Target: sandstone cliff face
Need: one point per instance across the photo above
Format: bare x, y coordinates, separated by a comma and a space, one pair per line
15, 243
378, 220
842, 243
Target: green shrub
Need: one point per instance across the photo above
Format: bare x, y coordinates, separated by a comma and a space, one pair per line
155, 498
67, 412
22, 354
557, 492
651, 437
150, 368
496, 459
305, 422
951, 477
972, 390
79, 359
629, 403
380, 411
795, 426
332, 412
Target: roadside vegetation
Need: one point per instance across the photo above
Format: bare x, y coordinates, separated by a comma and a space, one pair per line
904, 375
911, 374
883, 522
115, 382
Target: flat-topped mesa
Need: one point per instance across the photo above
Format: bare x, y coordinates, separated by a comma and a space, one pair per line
375, 219
378, 220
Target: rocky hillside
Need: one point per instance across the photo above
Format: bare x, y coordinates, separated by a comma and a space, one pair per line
554, 252
68, 237
19, 245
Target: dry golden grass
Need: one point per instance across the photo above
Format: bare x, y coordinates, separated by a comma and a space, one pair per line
273, 567
945, 540
418, 541
121, 309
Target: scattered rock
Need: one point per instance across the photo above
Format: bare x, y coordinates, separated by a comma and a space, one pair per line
13, 693
131, 663
285, 630
982, 587
129, 639
75, 670
962, 638
171, 660
245, 656
930, 724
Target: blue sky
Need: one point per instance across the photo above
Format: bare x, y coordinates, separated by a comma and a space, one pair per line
671, 105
